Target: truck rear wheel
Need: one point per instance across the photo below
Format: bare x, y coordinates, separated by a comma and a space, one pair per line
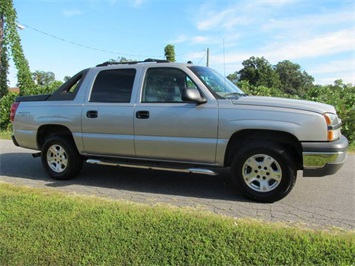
60, 158
263, 171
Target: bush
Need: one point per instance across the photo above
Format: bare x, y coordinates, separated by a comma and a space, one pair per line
45, 89
5, 106
262, 90
342, 97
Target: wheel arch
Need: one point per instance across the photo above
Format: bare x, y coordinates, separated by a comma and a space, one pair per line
243, 137
46, 131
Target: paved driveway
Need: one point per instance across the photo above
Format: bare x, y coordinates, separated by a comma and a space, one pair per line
314, 202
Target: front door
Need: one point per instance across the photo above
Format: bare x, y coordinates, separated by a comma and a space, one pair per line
168, 128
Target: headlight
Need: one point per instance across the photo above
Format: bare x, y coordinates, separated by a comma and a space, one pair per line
333, 126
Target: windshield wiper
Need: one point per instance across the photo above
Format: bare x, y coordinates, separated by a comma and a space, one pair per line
235, 95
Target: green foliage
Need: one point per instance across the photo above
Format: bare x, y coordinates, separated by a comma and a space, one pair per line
260, 90
342, 97
43, 78
40, 227
5, 134
4, 70
5, 106
285, 76
12, 43
169, 51
45, 89
259, 72
293, 80
235, 78
4, 62
119, 60
66, 78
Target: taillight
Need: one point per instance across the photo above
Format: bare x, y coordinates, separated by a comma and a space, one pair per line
13, 110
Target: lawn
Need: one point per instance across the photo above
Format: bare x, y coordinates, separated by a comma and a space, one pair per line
46, 227
5, 134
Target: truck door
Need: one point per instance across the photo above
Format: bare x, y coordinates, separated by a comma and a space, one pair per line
107, 122
168, 128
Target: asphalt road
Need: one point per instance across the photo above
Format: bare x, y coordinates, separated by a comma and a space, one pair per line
320, 202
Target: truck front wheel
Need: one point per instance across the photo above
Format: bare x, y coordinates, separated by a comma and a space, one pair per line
60, 158
263, 171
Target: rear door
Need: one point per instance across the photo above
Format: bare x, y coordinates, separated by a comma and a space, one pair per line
168, 128
107, 122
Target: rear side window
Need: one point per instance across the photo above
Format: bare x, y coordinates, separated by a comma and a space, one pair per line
69, 89
113, 86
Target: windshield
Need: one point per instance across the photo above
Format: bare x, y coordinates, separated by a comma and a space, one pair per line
218, 84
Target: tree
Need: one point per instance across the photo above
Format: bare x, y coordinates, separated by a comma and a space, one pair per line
10, 42
66, 78
124, 60
4, 62
293, 80
170, 53
120, 60
43, 78
259, 72
234, 77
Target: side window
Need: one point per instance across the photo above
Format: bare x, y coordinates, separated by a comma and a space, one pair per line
69, 89
113, 86
165, 85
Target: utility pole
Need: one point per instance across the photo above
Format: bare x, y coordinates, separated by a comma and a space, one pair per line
208, 57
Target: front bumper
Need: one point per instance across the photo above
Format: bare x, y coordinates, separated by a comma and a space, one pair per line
324, 158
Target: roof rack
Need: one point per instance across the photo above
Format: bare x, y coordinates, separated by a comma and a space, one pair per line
149, 60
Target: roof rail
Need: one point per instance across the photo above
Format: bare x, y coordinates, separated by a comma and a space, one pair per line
149, 60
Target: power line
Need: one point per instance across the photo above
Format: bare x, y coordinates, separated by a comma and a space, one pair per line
94, 48
201, 58
82, 45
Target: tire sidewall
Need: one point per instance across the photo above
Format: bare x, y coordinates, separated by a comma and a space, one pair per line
279, 154
74, 164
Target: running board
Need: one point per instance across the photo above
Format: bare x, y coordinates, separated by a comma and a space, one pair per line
161, 168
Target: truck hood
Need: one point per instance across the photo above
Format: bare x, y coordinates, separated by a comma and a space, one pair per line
285, 103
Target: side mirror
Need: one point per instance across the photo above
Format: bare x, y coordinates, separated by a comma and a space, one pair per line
192, 95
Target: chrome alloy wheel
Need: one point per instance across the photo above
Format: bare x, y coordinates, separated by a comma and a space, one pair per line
57, 158
262, 173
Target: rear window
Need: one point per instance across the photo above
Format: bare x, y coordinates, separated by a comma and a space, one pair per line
113, 86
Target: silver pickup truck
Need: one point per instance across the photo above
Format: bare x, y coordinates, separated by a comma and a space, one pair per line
181, 117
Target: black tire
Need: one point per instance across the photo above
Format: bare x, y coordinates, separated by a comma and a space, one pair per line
60, 158
263, 171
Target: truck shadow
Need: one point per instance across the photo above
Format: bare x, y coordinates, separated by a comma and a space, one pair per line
23, 166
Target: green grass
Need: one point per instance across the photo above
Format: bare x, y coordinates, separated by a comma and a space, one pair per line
44, 227
5, 134
352, 147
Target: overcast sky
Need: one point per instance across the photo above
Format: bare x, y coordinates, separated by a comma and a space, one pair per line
66, 36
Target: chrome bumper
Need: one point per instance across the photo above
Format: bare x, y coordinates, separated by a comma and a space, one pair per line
320, 159
324, 158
